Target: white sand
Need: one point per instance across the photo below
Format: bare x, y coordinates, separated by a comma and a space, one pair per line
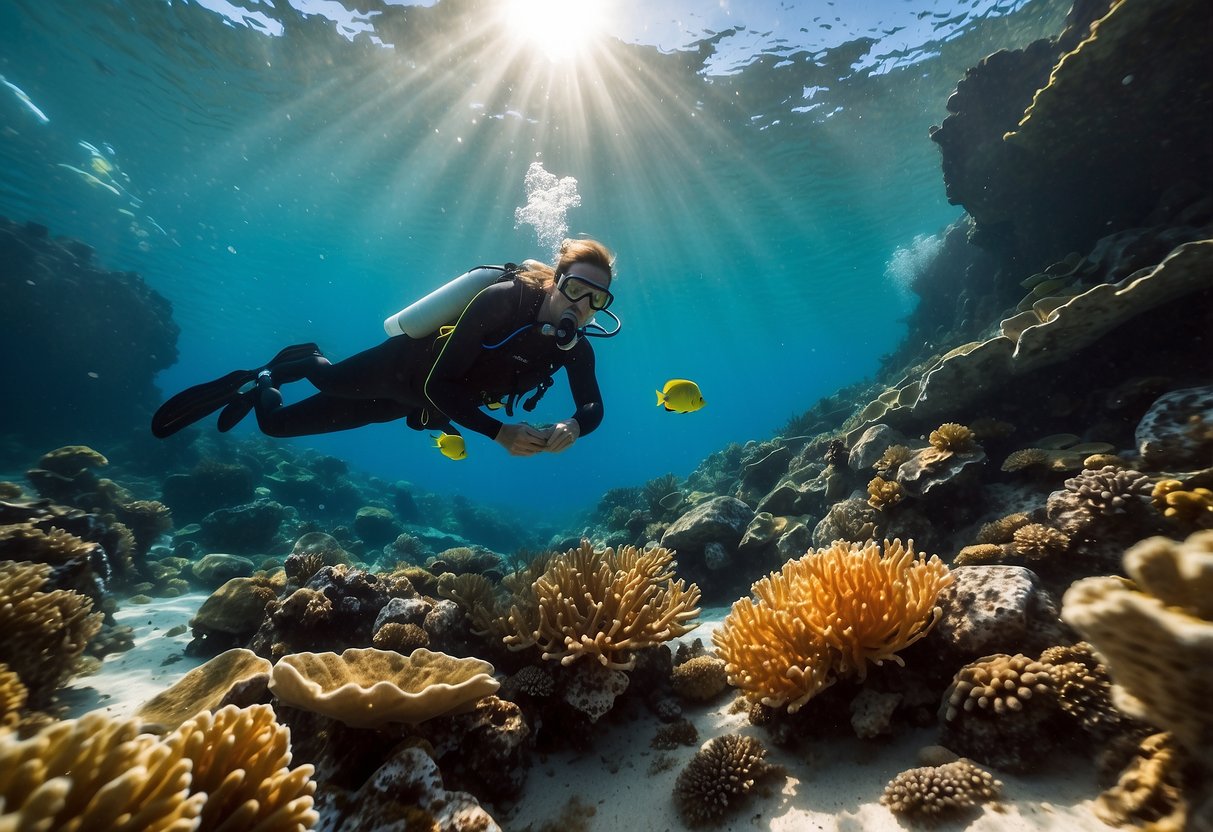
127, 680
831, 785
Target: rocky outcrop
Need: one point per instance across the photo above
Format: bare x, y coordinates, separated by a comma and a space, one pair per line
84, 343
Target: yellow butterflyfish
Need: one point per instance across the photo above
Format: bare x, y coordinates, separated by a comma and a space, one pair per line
680, 396
451, 446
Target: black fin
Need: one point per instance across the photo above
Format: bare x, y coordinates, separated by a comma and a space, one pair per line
201, 400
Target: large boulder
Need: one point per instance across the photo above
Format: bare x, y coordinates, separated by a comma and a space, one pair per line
718, 520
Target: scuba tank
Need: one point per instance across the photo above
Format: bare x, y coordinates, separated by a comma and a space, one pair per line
446, 303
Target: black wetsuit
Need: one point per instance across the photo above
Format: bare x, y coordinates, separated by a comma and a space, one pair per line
496, 353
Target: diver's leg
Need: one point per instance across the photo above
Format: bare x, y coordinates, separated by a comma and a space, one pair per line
371, 374
321, 413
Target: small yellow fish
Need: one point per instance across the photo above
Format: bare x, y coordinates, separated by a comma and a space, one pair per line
451, 446
680, 396
101, 165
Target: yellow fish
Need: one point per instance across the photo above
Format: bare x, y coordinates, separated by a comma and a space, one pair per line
451, 446
680, 396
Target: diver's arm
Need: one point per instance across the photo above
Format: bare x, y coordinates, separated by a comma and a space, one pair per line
445, 386
583, 383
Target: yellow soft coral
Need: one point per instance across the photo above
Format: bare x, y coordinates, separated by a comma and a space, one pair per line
827, 615
950, 436
604, 604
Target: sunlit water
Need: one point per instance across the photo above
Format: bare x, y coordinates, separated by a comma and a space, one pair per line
284, 176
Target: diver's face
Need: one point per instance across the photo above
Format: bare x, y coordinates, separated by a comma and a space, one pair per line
583, 288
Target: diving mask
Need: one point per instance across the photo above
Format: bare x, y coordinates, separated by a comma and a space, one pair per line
579, 288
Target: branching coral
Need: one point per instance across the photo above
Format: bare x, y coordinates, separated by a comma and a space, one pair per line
1097, 494
96, 773
476, 595
933, 791
1150, 793
827, 615
12, 697
225, 771
952, 438
1002, 529
1036, 541
719, 777
241, 762
892, 459
604, 604
44, 632
884, 493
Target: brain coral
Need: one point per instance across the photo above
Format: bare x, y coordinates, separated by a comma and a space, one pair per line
719, 777
826, 615
933, 791
603, 604
701, 678
1158, 642
367, 688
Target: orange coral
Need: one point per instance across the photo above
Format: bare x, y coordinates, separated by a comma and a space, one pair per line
827, 615
604, 604
884, 493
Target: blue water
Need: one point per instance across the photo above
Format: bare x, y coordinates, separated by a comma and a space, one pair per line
298, 172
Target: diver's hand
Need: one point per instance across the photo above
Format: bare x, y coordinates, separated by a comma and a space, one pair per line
562, 436
520, 439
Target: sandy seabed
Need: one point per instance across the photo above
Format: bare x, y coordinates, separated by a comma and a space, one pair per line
834, 785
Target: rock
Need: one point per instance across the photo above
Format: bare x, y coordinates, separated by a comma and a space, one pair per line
402, 611
375, 526
718, 520
1177, 430
247, 529
871, 445
851, 519
924, 471
715, 556
94, 370
995, 609
762, 531
593, 688
217, 569
796, 540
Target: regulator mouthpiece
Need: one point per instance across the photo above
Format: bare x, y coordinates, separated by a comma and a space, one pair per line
566, 330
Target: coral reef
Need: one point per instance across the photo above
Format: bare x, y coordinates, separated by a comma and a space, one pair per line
602, 604
828, 615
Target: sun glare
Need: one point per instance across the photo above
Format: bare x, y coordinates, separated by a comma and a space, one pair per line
559, 29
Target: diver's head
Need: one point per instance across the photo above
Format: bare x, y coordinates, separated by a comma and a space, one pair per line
583, 276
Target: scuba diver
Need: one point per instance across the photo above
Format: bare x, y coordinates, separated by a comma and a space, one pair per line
445, 359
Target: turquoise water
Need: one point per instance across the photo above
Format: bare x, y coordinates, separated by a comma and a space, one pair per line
296, 172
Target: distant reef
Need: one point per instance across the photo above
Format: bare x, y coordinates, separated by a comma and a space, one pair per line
81, 344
